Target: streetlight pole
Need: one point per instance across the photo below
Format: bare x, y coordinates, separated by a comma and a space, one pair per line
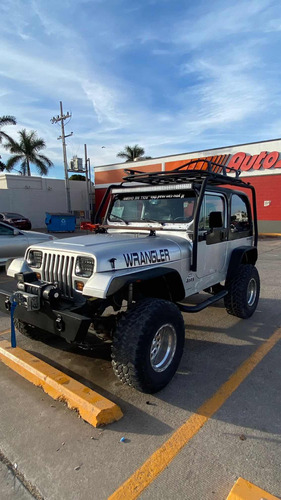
61, 119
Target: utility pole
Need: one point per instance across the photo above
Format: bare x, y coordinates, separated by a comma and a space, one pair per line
61, 119
87, 180
91, 190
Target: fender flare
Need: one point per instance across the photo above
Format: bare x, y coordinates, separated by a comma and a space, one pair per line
241, 255
170, 275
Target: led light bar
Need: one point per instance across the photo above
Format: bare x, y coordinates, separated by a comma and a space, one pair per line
150, 189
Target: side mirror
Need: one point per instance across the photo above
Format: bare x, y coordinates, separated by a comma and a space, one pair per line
215, 220
16, 232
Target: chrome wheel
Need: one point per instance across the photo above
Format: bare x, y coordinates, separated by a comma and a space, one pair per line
163, 347
251, 292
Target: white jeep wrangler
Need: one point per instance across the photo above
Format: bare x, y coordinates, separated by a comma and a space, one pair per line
166, 236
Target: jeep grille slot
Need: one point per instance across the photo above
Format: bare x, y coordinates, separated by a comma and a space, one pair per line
59, 268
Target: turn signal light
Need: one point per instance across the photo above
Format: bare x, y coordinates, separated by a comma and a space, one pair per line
38, 276
79, 285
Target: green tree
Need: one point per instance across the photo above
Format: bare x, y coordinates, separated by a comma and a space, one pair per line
133, 153
2, 165
77, 177
4, 121
26, 151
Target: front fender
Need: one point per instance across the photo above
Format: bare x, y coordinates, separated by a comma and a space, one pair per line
103, 285
17, 266
241, 255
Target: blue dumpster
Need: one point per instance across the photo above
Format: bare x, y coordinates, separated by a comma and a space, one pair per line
60, 223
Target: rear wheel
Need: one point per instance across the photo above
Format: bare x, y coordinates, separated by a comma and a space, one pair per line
148, 345
243, 292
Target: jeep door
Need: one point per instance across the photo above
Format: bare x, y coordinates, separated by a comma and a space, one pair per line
212, 240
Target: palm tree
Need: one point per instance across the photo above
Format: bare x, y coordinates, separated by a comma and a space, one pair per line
2, 165
6, 120
26, 151
133, 153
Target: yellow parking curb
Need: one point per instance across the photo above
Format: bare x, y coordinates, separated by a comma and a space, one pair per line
243, 490
5, 331
273, 235
90, 405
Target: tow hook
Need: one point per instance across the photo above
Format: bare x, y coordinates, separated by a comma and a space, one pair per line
60, 324
7, 304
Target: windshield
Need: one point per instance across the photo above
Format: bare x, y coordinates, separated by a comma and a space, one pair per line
12, 215
162, 208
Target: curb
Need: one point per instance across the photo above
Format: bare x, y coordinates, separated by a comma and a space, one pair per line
269, 235
90, 405
244, 490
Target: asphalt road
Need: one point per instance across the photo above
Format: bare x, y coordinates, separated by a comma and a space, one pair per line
59, 456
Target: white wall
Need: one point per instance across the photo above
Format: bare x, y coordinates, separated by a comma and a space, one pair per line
33, 196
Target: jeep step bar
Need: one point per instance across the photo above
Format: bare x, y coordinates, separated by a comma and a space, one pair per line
204, 304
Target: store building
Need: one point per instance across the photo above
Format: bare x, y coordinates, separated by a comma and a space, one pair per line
34, 196
259, 163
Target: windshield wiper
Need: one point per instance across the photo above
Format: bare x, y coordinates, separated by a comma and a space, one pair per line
152, 220
119, 218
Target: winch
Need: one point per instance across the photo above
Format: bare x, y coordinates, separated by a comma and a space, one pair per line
32, 292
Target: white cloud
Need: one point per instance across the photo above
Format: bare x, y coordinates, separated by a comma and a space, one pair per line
51, 26
104, 102
13, 18
220, 21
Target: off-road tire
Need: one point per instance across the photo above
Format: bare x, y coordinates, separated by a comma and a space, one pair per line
134, 344
31, 331
243, 292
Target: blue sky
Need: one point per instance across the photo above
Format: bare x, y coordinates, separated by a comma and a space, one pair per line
171, 76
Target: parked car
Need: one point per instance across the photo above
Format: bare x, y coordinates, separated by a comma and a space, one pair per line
15, 220
14, 242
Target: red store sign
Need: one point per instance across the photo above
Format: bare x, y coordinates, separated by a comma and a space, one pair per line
245, 162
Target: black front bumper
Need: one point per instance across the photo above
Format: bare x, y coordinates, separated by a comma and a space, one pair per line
63, 322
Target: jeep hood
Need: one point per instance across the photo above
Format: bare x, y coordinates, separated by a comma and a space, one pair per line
113, 251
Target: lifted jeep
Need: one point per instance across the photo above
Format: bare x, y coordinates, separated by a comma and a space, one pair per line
167, 236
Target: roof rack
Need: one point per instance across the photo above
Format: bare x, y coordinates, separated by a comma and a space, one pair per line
193, 170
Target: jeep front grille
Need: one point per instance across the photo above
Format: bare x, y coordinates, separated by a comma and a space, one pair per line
59, 268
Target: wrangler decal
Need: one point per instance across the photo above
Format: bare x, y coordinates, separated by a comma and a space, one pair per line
146, 257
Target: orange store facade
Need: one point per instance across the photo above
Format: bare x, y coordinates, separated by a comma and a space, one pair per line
259, 162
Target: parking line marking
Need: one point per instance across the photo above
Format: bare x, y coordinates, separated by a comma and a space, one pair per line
91, 406
244, 490
162, 457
